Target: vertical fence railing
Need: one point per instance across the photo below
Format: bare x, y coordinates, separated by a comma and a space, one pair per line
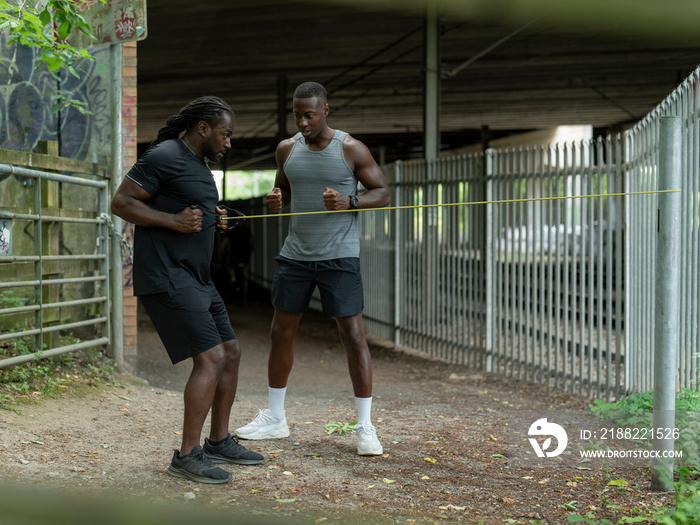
688, 107
557, 280
438, 287
378, 252
642, 162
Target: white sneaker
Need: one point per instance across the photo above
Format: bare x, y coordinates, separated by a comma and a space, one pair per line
367, 442
264, 426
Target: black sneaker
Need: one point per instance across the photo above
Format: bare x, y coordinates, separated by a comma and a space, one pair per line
231, 451
197, 467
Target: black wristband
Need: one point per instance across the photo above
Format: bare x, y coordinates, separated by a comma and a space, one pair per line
353, 202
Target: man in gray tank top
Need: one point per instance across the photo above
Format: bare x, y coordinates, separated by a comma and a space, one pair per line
317, 170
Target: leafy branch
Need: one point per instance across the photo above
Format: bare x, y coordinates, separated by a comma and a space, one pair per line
47, 29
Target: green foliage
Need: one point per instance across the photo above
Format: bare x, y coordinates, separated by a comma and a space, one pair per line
56, 377
9, 299
340, 427
47, 30
636, 410
686, 509
242, 184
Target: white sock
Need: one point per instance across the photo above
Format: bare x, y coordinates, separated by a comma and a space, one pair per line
276, 400
364, 409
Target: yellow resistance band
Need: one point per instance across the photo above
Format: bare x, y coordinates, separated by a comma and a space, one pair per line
507, 201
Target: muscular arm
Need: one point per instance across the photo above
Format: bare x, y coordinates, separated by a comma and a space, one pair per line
281, 195
129, 204
370, 175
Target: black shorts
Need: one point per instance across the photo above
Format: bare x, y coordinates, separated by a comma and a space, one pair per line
188, 320
338, 280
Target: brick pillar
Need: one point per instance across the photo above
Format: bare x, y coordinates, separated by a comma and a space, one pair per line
129, 154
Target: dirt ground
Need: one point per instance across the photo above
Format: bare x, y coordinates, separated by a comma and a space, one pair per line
455, 442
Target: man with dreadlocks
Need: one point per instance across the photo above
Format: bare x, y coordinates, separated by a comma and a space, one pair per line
319, 169
170, 195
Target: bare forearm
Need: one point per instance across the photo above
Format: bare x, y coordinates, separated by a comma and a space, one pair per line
140, 213
374, 198
189, 220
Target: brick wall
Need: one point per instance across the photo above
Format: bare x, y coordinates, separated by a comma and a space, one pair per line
129, 154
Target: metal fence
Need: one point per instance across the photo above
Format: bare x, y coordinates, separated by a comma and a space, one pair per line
528, 265
641, 161
511, 279
55, 283
557, 280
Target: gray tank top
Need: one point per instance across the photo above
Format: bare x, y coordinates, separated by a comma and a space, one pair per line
327, 236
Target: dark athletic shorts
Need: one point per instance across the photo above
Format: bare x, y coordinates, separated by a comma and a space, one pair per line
189, 320
338, 280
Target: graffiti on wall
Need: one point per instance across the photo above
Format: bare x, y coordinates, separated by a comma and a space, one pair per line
111, 21
25, 105
127, 262
5, 237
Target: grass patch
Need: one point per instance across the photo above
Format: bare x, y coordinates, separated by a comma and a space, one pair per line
67, 375
636, 411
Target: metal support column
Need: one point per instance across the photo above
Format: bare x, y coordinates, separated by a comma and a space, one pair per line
667, 303
431, 103
116, 302
431, 144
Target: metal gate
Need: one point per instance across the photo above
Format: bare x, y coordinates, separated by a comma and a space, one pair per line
54, 259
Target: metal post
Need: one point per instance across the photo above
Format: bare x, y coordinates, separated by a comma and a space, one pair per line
489, 249
431, 102
431, 144
399, 243
667, 301
116, 275
39, 265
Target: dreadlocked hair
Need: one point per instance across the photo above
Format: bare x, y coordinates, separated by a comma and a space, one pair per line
209, 109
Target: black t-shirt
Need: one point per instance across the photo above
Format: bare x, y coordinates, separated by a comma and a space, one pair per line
175, 178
